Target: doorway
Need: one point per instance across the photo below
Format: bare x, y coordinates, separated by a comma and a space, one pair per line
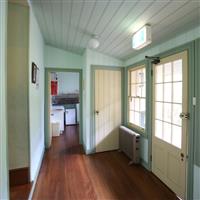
170, 121
107, 105
63, 102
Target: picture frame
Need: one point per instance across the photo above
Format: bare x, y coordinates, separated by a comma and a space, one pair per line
34, 73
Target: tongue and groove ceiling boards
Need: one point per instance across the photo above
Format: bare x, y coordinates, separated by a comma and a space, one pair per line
69, 24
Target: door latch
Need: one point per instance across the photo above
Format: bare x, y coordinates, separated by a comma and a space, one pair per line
182, 156
184, 115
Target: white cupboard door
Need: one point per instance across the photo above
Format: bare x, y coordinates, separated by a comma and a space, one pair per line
170, 113
107, 109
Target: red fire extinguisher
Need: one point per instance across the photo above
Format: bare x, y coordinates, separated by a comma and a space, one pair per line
54, 87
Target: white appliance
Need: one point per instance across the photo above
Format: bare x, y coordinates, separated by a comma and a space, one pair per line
55, 129
70, 116
77, 113
57, 116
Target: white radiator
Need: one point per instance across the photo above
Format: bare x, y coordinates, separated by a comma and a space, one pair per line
129, 143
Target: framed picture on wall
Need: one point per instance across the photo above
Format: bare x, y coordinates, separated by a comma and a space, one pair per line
34, 72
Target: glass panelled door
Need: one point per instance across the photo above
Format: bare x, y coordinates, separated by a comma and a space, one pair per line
170, 122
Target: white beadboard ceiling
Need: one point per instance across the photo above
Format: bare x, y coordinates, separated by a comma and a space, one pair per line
69, 24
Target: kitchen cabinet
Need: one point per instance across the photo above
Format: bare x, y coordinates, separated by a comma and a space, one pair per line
57, 116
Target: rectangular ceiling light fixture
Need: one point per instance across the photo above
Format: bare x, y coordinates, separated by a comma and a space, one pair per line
142, 37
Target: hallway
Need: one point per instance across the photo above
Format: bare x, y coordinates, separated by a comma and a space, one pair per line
67, 173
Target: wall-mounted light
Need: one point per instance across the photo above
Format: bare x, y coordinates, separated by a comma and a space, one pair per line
142, 37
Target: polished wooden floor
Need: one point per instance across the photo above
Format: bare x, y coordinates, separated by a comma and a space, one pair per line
20, 192
67, 173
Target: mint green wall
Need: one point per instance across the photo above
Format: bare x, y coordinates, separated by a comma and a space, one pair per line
92, 58
36, 97
196, 190
54, 57
197, 88
188, 36
4, 194
17, 85
172, 43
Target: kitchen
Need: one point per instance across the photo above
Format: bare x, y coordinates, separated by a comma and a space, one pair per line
65, 101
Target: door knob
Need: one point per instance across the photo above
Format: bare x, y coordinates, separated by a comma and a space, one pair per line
97, 112
184, 115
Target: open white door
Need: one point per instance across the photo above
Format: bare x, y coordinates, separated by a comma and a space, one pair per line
170, 113
107, 109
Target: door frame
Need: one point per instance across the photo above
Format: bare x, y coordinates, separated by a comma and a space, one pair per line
189, 47
92, 99
46, 107
4, 155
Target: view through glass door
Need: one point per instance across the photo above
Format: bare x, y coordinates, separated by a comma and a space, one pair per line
170, 114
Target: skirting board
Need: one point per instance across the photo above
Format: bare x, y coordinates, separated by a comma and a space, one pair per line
35, 180
19, 176
88, 151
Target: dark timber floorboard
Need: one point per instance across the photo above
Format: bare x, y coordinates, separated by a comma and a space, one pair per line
20, 192
67, 173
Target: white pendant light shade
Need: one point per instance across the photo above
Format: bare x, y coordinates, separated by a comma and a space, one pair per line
93, 43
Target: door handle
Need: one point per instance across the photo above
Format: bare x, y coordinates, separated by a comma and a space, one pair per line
97, 112
184, 115
182, 155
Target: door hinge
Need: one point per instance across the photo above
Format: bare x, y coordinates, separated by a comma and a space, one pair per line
194, 101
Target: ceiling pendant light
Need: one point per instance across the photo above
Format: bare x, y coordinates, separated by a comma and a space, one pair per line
94, 42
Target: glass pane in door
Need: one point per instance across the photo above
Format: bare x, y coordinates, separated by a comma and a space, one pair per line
168, 102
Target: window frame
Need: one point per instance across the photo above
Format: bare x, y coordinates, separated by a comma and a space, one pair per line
133, 126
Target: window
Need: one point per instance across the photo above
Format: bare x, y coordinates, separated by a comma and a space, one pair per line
137, 97
168, 86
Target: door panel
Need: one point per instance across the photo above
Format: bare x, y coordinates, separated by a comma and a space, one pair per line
107, 109
169, 138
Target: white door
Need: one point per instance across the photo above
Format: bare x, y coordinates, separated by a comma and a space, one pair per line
169, 138
107, 109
